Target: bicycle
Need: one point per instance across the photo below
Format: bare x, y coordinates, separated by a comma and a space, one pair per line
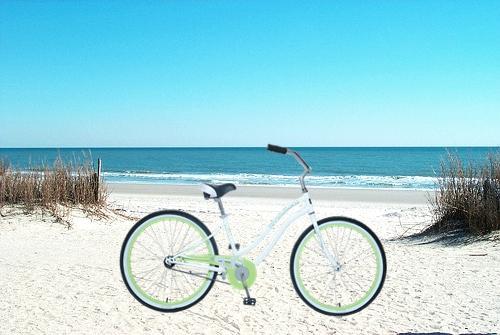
169, 259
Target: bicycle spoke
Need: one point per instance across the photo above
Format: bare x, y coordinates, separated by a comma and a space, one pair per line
345, 250
357, 255
316, 252
332, 245
149, 250
162, 280
174, 239
153, 281
186, 234
356, 282
148, 270
315, 275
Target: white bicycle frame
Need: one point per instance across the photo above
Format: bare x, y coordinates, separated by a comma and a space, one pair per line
303, 206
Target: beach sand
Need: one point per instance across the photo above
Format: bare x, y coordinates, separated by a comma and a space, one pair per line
56, 280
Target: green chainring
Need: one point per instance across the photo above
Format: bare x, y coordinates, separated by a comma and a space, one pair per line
252, 275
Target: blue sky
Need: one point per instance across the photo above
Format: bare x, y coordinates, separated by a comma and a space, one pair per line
245, 73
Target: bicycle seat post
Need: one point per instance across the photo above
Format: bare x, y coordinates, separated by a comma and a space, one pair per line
221, 207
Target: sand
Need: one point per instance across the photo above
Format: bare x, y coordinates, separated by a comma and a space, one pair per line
56, 280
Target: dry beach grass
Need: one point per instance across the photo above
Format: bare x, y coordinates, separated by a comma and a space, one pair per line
54, 189
468, 198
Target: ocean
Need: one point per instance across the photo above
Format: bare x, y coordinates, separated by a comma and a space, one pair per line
370, 167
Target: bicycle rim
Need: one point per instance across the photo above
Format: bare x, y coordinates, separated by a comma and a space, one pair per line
362, 267
143, 267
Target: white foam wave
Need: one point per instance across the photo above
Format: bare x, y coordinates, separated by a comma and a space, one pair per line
349, 181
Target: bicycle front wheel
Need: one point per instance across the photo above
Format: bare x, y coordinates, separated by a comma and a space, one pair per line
348, 287
147, 274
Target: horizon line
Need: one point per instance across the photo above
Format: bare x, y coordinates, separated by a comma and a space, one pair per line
248, 147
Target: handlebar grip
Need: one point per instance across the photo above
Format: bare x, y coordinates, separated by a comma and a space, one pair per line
277, 148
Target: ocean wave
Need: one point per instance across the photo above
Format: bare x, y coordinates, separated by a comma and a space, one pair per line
346, 181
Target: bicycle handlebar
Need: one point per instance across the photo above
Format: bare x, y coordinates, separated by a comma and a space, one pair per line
300, 160
277, 148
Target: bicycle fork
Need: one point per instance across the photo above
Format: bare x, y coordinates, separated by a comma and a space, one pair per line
331, 258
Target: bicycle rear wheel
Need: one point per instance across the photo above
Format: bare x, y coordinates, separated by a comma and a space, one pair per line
147, 275
359, 278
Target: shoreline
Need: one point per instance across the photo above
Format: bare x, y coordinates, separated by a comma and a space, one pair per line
283, 192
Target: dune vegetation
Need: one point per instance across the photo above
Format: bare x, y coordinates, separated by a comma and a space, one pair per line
468, 197
54, 189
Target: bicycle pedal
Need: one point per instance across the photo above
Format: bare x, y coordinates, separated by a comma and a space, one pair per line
249, 301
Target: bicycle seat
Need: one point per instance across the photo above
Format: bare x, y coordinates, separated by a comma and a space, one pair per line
211, 191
